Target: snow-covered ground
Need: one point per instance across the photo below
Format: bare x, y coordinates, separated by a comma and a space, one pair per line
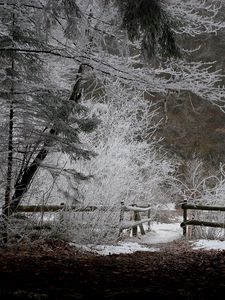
208, 244
160, 233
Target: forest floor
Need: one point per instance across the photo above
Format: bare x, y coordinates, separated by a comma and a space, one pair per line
59, 271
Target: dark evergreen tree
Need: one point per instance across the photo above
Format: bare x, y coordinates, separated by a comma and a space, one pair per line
37, 116
148, 21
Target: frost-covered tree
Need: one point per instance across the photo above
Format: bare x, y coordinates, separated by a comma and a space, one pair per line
32, 34
105, 41
196, 17
124, 58
38, 116
128, 166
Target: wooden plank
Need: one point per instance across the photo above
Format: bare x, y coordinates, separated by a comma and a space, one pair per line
121, 217
39, 208
184, 219
149, 215
203, 223
54, 208
134, 228
203, 207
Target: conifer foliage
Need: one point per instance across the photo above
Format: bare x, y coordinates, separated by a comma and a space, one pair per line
146, 19
60, 58
37, 116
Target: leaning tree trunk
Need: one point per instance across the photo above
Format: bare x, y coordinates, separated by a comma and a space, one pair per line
9, 164
8, 188
23, 182
6, 207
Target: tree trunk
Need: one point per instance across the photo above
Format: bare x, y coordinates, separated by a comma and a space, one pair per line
8, 189
9, 164
22, 184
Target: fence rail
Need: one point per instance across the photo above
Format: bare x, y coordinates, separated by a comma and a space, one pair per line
55, 208
137, 221
132, 224
187, 222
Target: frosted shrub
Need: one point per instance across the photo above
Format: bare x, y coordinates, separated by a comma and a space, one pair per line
209, 232
127, 166
206, 190
31, 228
92, 227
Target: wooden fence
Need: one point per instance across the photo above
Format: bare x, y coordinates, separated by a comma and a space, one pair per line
134, 223
136, 219
193, 222
57, 208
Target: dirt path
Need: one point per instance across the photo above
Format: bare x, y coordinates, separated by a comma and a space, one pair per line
59, 272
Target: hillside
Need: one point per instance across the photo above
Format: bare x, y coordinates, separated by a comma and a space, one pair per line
195, 127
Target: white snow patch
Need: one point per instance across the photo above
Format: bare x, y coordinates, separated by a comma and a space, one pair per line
208, 244
121, 247
162, 233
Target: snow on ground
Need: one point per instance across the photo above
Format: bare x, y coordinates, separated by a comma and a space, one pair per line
208, 244
160, 233
123, 247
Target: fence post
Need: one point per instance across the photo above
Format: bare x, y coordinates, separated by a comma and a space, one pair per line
61, 214
121, 217
149, 215
134, 229
184, 218
141, 225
